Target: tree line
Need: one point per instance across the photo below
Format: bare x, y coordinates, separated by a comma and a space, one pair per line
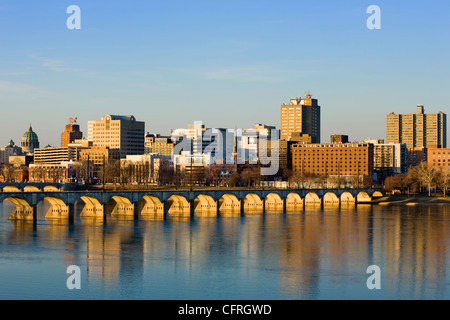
418, 179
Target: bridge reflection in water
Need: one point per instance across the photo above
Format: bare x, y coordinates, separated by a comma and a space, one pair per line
159, 205
322, 254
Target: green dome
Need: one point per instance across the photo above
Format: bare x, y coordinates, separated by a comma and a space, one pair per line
30, 136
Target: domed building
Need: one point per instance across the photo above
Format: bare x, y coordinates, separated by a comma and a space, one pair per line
30, 141
10, 150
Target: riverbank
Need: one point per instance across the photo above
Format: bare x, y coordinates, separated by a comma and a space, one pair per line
405, 200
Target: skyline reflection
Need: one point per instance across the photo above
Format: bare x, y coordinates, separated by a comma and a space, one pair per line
316, 254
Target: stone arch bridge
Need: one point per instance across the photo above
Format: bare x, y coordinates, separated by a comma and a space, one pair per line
159, 204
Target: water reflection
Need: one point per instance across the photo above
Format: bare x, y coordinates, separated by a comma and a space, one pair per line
316, 254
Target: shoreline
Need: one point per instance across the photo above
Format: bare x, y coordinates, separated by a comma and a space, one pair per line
411, 201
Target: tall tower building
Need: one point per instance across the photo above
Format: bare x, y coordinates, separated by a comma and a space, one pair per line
71, 133
417, 130
118, 132
300, 115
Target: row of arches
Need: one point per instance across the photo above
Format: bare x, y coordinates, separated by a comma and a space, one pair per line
30, 189
151, 206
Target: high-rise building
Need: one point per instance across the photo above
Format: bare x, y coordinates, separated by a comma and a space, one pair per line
388, 158
70, 134
118, 132
417, 130
300, 115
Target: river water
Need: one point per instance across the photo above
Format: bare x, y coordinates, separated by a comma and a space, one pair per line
315, 254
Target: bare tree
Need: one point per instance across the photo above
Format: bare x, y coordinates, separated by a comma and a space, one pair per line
112, 173
212, 174
427, 175
389, 184
6, 172
444, 179
233, 180
355, 180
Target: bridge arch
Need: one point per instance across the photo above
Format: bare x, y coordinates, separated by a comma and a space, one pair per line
50, 189
363, 196
274, 201
11, 189
330, 199
253, 202
92, 207
22, 209
293, 201
119, 206
312, 199
151, 207
229, 203
347, 199
58, 209
178, 205
377, 194
205, 204
31, 189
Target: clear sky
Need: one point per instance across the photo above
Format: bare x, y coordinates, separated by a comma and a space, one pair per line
227, 63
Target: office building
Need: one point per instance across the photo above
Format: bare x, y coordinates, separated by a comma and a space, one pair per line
285, 148
333, 159
417, 130
124, 133
96, 159
71, 133
63, 172
300, 115
156, 144
414, 156
439, 158
52, 155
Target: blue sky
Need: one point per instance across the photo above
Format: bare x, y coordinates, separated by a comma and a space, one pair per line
226, 63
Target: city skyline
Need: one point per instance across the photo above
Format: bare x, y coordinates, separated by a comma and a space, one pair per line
227, 65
